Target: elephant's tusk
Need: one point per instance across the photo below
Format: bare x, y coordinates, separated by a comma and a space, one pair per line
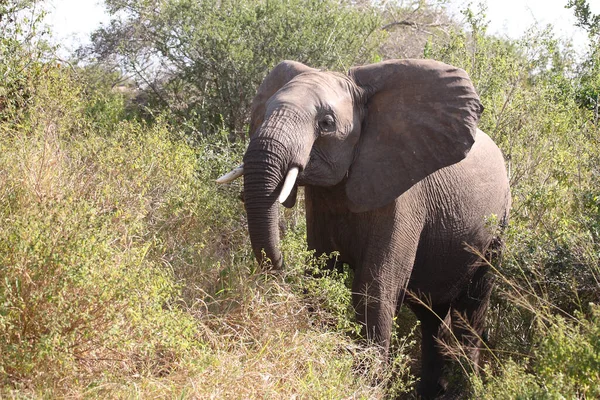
288, 185
232, 175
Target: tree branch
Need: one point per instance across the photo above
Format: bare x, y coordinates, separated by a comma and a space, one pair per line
411, 24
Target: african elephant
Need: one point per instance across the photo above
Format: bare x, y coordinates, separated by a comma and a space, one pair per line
398, 179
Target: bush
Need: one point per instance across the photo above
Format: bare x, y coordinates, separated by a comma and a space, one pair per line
565, 364
22, 47
78, 286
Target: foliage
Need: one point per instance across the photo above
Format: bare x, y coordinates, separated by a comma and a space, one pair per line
585, 18
79, 288
411, 24
566, 365
588, 90
22, 47
203, 60
125, 272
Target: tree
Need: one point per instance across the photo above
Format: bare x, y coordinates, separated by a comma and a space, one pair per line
22, 52
203, 60
411, 24
588, 94
585, 18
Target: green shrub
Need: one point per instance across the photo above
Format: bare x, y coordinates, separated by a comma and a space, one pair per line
22, 49
565, 364
78, 286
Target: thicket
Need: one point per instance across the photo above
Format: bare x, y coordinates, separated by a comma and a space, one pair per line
126, 272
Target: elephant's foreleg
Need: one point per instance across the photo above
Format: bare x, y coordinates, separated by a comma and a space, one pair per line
375, 308
376, 297
382, 274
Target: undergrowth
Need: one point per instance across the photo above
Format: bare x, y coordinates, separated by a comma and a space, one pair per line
126, 270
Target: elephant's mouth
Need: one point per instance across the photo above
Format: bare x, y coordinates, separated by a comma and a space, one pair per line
320, 172
291, 199
303, 178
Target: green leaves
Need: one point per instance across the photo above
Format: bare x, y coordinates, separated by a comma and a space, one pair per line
565, 365
203, 60
23, 48
585, 18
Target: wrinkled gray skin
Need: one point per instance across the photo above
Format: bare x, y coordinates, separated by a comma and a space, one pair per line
398, 179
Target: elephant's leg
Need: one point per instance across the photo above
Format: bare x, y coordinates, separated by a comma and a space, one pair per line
433, 329
468, 314
383, 270
323, 226
375, 306
376, 295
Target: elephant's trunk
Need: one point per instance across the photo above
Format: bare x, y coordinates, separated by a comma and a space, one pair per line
265, 165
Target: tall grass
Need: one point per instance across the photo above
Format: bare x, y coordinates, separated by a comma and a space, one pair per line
558, 358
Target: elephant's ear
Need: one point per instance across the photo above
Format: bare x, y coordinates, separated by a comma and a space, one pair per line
421, 116
284, 72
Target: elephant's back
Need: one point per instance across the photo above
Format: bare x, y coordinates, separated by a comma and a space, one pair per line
461, 201
483, 173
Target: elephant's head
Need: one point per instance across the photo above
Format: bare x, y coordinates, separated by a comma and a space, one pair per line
381, 128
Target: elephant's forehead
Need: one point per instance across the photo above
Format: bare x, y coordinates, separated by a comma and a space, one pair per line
316, 88
318, 84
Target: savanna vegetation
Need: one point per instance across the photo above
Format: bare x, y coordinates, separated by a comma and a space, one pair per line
125, 272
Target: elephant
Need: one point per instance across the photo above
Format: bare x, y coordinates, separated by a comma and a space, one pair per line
398, 180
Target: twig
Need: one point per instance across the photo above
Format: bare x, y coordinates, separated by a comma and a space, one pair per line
411, 24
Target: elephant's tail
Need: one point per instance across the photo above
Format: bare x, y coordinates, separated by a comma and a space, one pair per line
495, 250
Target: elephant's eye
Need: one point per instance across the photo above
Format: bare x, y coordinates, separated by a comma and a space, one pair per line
327, 123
